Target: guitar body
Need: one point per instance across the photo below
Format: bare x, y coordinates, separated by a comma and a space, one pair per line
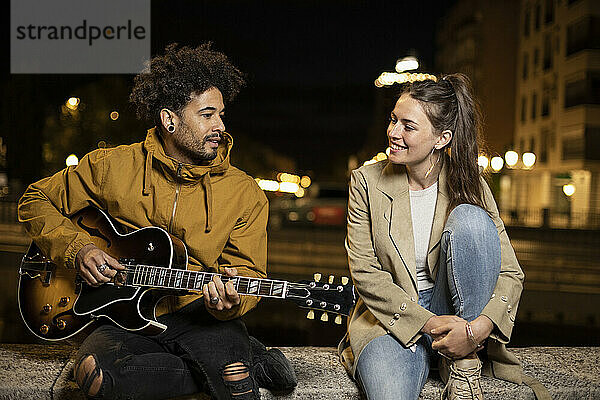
56, 304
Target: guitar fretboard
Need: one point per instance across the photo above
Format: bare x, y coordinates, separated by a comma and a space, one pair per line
168, 278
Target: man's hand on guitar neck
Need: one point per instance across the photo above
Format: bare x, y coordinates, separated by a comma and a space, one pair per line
95, 266
219, 296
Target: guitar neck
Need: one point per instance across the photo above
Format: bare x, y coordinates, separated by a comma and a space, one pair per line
168, 278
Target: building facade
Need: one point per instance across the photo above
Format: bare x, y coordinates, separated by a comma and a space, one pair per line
479, 39
557, 115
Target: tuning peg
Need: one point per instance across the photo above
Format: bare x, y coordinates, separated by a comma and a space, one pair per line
345, 280
338, 320
324, 317
310, 315
317, 277
331, 278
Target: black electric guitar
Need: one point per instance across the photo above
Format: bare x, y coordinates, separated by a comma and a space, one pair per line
55, 303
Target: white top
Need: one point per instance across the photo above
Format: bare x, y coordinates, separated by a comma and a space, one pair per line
422, 208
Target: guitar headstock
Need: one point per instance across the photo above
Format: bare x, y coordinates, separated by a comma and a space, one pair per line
329, 297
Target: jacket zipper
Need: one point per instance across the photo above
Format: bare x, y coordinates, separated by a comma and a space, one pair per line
177, 188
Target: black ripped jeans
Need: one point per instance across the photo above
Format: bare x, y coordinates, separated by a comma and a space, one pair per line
189, 357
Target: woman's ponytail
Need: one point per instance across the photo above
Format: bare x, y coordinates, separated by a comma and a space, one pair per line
450, 105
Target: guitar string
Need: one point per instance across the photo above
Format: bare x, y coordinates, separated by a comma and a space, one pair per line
141, 275
137, 272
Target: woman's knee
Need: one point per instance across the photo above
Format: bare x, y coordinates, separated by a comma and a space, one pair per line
470, 222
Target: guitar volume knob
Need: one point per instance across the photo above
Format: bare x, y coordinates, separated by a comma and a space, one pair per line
47, 308
65, 300
61, 324
44, 329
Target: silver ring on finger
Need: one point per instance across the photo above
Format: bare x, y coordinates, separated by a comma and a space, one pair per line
215, 300
102, 268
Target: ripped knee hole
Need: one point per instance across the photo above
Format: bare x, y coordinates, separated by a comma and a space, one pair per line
235, 372
88, 375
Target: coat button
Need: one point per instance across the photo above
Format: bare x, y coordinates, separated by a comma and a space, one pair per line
493, 295
402, 306
504, 299
412, 299
508, 308
392, 322
396, 316
512, 318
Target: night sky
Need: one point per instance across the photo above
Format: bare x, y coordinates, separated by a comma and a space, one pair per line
310, 65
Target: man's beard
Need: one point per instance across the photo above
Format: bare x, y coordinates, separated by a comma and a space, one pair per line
192, 147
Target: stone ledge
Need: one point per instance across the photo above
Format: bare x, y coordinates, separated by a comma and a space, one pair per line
43, 372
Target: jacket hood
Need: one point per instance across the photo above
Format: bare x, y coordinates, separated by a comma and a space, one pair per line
154, 147
182, 172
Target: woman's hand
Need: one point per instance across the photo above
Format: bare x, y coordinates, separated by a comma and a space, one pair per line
438, 321
452, 341
219, 296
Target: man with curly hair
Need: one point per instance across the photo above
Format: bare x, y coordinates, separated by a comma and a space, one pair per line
179, 179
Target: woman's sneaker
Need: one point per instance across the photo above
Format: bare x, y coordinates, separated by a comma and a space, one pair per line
463, 379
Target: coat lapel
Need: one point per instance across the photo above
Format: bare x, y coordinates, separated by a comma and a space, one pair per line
393, 182
439, 220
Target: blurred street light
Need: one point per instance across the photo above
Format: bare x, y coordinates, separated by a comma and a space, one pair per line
483, 161
568, 189
305, 181
511, 158
72, 103
390, 78
528, 159
407, 64
288, 187
72, 160
268, 185
285, 177
497, 163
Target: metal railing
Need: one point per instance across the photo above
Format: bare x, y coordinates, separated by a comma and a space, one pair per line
548, 218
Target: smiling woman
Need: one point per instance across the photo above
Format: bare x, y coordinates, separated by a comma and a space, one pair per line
437, 276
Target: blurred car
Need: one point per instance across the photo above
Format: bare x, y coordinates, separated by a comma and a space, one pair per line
323, 205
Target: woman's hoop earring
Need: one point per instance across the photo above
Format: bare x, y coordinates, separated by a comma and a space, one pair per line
432, 164
171, 128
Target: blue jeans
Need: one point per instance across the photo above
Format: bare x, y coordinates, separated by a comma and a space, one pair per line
468, 268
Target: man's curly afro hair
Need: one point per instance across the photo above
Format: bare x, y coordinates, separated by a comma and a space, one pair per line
179, 73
